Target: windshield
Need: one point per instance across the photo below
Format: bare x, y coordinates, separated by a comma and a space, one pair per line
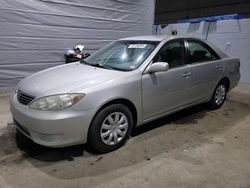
122, 55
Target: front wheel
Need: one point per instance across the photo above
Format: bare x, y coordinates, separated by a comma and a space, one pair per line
110, 128
219, 96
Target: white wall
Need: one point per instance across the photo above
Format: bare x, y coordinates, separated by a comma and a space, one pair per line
35, 34
232, 36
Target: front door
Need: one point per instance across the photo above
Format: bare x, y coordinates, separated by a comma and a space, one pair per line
166, 91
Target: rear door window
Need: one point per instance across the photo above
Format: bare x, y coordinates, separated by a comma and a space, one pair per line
199, 51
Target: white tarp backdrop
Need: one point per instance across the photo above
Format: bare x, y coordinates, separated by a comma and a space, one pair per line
35, 34
232, 36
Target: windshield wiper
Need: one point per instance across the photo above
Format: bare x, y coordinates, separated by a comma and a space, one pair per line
99, 65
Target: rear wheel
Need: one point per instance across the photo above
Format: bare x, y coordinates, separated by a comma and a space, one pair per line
219, 95
110, 128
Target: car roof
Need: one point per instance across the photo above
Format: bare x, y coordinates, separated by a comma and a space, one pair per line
160, 38
147, 38
157, 37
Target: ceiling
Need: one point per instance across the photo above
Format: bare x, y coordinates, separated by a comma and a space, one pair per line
170, 11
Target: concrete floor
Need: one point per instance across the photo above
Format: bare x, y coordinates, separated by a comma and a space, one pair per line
192, 148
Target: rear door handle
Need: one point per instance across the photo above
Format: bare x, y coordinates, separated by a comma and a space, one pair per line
186, 74
219, 67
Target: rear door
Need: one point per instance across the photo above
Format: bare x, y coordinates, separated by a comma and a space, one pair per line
205, 68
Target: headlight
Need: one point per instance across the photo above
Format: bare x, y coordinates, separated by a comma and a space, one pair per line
56, 102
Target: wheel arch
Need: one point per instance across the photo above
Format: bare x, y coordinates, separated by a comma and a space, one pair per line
227, 81
123, 101
223, 79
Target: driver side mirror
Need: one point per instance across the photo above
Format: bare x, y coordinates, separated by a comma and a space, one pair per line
158, 67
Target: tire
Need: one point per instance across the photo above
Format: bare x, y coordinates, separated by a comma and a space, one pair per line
219, 96
110, 128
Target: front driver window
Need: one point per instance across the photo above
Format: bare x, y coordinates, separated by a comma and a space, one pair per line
173, 53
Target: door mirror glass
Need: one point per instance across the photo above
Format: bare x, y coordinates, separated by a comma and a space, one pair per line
158, 67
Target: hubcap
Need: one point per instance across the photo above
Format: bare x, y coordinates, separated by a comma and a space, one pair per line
114, 128
220, 94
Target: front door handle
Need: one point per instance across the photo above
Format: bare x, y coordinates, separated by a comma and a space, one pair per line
186, 74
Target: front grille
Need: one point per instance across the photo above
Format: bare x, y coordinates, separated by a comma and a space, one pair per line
24, 98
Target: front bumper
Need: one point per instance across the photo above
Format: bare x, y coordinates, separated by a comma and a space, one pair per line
52, 129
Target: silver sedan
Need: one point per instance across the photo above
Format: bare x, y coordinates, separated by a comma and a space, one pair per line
125, 84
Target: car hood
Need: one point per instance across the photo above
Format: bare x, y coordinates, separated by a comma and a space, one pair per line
65, 79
